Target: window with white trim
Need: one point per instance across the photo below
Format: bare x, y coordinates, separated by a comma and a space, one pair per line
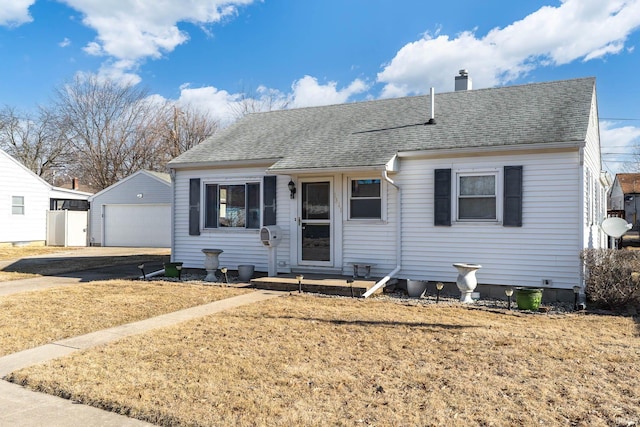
17, 205
365, 198
232, 205
477, 196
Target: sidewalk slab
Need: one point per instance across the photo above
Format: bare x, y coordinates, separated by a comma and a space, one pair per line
22, 407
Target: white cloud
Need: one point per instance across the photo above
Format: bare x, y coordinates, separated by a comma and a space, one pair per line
64, 43
619, 145
130, 31
577, 29
15, 12
308, 92
218, 103
226, 107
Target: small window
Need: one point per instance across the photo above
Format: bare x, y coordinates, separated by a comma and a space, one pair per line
232, 206
477, 197
365, 200
17, 205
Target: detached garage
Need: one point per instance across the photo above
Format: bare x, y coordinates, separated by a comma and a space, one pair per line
134, 212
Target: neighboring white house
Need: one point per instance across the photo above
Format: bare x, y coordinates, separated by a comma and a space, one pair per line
135, 212
509, 178
25, 199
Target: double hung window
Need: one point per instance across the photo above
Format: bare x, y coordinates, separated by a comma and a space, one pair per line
17, 205
477, 196
365, 199
232, 205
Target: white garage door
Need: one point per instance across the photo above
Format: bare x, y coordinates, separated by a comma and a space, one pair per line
137, 225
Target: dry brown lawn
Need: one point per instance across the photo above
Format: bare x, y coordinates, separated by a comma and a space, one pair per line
6, 276
304, 360
29, 319
17, 252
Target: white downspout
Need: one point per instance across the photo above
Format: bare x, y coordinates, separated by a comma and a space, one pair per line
388, 277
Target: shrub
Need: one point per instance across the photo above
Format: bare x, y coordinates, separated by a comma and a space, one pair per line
612, 277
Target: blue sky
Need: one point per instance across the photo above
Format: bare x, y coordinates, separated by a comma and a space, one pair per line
303, 52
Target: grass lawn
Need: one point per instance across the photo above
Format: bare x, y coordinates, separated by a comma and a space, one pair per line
305, 360
17, 252
29, 319
6, 276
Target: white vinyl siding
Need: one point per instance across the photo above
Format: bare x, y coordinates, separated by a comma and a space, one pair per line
545, 247
594, 210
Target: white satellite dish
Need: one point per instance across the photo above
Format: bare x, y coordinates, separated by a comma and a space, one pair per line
615, 227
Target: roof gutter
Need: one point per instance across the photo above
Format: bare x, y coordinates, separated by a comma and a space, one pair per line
382, 282
301, 171
492, 150
222, 163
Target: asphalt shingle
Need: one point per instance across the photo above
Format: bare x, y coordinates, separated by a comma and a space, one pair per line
368, 134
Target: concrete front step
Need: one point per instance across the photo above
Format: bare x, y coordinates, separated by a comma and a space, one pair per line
328, 285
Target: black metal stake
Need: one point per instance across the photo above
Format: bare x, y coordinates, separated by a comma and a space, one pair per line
509, 302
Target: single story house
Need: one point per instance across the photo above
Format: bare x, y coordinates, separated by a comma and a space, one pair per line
625, 196
508, 178
134, 212
25, 199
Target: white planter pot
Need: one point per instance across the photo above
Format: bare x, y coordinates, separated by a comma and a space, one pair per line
466, 280
416, 288
211, 263
245, 272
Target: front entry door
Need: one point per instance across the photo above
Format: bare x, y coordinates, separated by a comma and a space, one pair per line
315, 235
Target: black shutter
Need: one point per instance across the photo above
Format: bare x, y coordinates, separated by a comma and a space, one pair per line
512, 215
442, 197
194, 207
210, 206
269, 196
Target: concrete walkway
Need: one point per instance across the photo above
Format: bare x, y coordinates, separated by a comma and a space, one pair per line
20, 406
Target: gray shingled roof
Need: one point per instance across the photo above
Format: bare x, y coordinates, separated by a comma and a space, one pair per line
369, 133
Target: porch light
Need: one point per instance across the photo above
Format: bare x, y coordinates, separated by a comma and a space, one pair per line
292, 189
508, 292
299, 279
439, 287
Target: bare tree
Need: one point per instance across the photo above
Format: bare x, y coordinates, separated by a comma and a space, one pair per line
258, 100
109, 127
182, 128
34, 140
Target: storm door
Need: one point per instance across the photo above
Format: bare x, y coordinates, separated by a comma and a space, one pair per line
315, 235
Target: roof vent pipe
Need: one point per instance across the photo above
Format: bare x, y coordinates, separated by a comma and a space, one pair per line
463, 81
432, 97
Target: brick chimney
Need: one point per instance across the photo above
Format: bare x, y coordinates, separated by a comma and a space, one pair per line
74, 183
463, 81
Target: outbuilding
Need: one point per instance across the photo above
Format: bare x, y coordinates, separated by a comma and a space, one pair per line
134, 212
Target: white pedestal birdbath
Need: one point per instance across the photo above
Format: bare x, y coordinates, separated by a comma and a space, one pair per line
211, 263
466, 280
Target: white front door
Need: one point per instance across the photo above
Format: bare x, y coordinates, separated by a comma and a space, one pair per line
315, 224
